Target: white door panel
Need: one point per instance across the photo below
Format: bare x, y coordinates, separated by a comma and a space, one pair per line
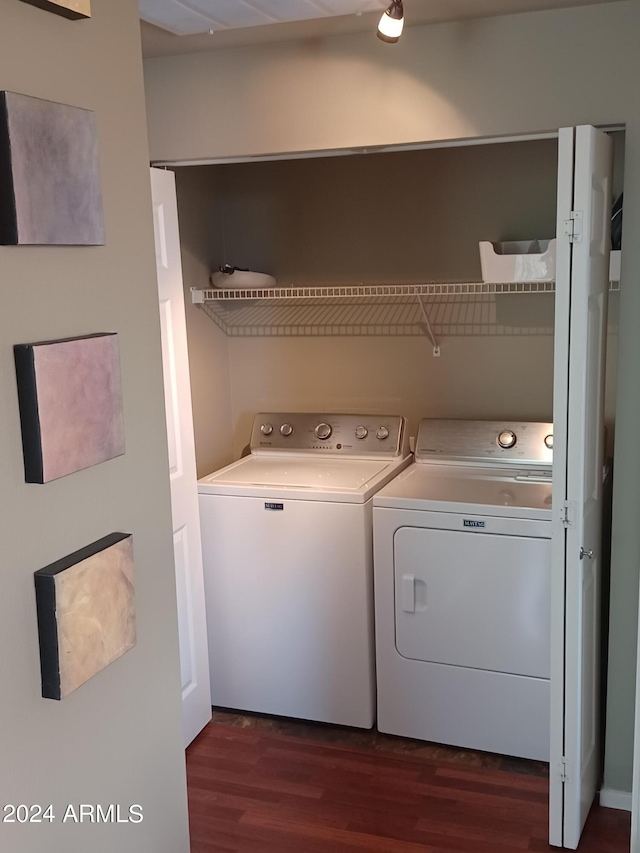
566, 144
194, 656
170, 389
188, 663
579, 413
589, 290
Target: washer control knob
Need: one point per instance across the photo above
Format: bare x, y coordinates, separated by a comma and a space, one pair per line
548, 442
361, 432
286, 429
266, 429
382, 433
323, 431
507, 439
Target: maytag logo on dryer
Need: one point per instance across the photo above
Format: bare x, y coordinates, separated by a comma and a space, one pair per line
273, 506
472, 522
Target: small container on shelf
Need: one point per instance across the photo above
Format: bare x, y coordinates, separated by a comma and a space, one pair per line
522, 260
233, 278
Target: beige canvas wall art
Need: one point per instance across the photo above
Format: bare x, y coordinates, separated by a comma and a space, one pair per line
73, 9
86, 613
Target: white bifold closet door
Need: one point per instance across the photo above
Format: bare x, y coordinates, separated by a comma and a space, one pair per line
187, 545
582, 281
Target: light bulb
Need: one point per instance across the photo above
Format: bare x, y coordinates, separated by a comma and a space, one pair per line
391, 23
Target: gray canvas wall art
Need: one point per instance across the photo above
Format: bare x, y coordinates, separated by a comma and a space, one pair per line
70, 398
86, 613
50, 190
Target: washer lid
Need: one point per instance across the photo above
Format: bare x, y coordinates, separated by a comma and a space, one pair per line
305, 477
480, 490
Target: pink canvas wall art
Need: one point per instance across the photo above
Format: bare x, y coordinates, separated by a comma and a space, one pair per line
70, 399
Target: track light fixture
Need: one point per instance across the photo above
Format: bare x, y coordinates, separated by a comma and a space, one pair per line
391, 22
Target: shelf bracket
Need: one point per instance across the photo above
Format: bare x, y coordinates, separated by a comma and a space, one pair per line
427, 329
197, 296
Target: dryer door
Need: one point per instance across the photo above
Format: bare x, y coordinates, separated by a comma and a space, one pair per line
473, 599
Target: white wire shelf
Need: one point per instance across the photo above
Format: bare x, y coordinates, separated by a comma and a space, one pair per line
364, 291
449, 308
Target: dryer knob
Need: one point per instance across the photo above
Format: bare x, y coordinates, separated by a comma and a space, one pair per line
361, 432
266, 429
382, 433
507, 439
286, 429
323, 431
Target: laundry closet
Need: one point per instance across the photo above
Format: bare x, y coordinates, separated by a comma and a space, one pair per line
404, 323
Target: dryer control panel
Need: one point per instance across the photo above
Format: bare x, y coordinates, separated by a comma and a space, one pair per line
376, 436
525, 444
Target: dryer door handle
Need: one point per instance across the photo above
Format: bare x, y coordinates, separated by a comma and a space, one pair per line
409, 593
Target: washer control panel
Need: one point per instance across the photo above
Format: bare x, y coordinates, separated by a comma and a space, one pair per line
344, 435
525, 443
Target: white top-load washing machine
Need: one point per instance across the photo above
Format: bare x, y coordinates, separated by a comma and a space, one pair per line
462, 588
287, 547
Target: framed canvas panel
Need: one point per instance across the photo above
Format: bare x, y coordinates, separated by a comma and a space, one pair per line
70, 398
67, 8
86, 613
50, 191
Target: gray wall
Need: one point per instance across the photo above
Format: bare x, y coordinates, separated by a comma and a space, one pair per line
331, 220
201, 239
374, 218
510, 75
483, 77
118, 738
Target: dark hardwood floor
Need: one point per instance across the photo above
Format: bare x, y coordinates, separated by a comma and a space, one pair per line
269, 786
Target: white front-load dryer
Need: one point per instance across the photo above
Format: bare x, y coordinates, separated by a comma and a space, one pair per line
462, 589
288, 563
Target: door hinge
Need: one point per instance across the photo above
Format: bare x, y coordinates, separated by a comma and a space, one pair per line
568, 513
563, 769
572, 227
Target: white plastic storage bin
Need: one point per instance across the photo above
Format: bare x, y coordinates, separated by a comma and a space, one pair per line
524, 260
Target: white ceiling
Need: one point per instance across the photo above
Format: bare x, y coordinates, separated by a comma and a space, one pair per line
185, 26
188, 17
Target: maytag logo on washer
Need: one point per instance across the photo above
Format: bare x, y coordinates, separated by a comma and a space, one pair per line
471, 522
273, 506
